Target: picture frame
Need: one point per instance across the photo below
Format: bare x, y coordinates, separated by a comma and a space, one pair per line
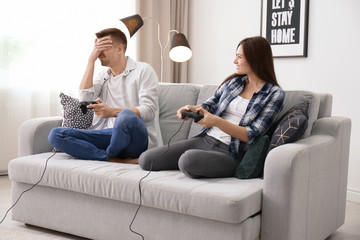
284, 23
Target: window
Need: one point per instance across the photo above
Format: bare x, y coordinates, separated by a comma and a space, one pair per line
44, 48
46, 44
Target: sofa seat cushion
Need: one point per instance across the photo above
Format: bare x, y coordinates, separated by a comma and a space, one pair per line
229, 200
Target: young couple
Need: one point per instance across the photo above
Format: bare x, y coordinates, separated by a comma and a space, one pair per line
126, 128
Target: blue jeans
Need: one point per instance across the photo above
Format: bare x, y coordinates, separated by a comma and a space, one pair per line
127, 139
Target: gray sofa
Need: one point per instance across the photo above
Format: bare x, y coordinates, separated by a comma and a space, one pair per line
302, 195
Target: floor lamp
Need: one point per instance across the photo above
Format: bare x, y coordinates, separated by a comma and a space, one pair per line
180, 50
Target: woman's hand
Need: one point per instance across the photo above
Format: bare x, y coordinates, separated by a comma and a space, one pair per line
233, 130
185, 108
209, 120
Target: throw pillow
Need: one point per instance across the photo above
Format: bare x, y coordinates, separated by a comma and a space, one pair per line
252, 164
292, 126
72, 115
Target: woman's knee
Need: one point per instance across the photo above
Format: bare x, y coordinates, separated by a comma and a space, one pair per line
145, 160
188, 164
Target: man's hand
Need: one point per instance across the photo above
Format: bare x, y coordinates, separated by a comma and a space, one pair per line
102, 110
101, 45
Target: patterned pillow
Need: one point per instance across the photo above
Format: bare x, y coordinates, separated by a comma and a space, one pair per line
252, 164
72, 116
292, 126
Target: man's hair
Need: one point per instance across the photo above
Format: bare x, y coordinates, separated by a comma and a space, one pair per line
116, 35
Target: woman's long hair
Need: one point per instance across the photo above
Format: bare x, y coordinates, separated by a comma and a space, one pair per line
257, 52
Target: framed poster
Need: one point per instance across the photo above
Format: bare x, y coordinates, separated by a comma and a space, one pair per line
284, 23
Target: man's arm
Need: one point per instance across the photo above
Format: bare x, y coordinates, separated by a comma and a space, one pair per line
104, 111
100, 45
148, 95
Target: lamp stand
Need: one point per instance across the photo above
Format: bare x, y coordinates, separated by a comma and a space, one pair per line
162, 50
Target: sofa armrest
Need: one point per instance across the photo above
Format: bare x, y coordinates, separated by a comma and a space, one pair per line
33, 135
304, 194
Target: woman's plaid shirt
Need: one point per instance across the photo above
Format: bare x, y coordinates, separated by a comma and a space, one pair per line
261, 111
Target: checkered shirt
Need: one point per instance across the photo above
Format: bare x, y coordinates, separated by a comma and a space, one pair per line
261, 111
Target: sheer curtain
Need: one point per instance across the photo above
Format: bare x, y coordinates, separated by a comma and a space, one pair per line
44, 47
171, 15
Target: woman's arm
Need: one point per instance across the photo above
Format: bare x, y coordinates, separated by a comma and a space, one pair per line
233, 130
211, 120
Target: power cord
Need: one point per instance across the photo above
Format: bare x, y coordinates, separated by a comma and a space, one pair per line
139, 186
37, 183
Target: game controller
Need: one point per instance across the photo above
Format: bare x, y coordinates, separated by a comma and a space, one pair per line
84, 104
197, 116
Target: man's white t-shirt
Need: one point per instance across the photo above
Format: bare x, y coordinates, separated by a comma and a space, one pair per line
135, 87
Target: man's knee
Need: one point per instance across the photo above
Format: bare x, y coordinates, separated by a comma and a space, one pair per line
127, 119
127, 115
55, 136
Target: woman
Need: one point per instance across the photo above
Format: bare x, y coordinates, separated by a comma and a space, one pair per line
242, 109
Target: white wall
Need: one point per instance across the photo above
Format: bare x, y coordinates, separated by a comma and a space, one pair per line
50, 44
332, 64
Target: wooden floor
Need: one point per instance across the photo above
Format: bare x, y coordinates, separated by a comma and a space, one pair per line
349, 231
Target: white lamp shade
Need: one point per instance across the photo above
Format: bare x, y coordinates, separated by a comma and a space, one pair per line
180, 49
180, 54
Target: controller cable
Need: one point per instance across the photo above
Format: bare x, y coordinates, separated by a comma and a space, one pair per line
84, 110
42, 176
139, 186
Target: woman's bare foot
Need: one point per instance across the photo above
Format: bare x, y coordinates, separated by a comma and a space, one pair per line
124, 160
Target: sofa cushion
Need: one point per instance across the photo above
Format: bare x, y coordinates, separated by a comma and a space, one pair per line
252, 164
172, 96
293, 98
292, 126
224, 199
72, 115
206, 91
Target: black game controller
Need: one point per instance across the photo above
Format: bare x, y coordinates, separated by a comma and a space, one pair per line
84, 104
197, 116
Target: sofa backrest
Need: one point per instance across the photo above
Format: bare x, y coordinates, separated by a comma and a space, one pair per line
173, 96
325, 108
205, 92
293, 98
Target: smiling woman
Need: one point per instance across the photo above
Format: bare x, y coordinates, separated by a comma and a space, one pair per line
44, 46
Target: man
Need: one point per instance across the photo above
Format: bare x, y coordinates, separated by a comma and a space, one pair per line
125, 120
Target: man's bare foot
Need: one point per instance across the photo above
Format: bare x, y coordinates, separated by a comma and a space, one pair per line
124, 160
